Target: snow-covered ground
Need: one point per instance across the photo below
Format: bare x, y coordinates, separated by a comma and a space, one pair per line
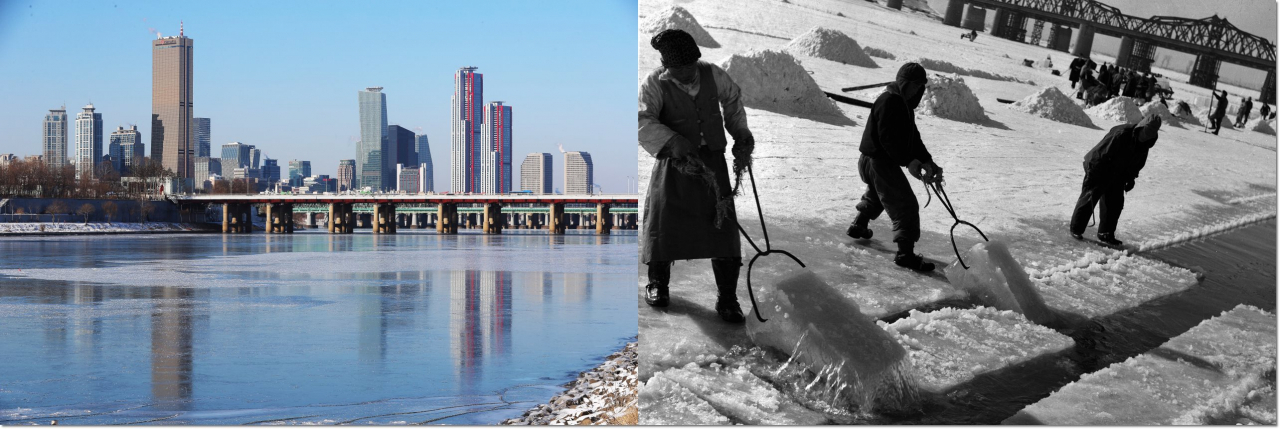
92, 227
1015, 175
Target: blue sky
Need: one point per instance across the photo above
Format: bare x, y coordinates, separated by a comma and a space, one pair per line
283, 75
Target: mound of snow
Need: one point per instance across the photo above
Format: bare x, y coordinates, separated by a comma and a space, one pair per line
830, 45
675, 17
1118, 109
878, 53
1052, 104
939, 66
1158, 108
1261, 125
773, 80
948, 97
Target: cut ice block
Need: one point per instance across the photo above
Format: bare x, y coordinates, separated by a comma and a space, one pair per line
665, 402
1214, 371
997, 280
733, 392
823, 330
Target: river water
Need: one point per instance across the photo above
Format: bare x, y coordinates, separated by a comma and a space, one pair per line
216, 329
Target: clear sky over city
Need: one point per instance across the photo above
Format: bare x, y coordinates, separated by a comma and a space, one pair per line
284, 75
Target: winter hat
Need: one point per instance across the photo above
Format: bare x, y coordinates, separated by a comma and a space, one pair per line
1149, 125
912, 72
676, 46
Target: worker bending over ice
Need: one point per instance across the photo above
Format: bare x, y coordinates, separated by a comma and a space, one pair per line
1110, 169
889, 142
689, 213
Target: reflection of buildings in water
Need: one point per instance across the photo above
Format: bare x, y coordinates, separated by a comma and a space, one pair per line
393, 307
577, 287
479, 319
86, 330
171, 346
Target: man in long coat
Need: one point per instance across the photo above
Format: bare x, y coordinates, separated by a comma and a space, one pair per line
688, 212
891, 141
1219, 111
1110, 170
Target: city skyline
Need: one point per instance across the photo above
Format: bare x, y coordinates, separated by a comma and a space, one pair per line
298, 105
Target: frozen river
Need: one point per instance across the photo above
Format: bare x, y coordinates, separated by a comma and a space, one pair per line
305, 328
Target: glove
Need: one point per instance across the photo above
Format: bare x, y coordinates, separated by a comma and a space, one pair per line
914, 168
742, 153
1128, 186
680, 147
937, 173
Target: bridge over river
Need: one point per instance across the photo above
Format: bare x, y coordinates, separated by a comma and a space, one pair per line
385, 213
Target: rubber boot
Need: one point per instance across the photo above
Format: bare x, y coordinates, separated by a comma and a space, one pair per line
906, 257
726, 272
858, 229
656, 292
1109, 238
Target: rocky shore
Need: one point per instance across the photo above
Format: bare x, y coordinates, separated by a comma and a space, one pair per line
603, 395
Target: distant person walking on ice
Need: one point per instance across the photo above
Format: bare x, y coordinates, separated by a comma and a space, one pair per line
1110, 170
889, 142
689, 213
1242, 115
1219, 111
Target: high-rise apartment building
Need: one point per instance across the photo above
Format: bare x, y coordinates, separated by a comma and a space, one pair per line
495, 175
88, 143
405, 145
466, 117
55, 138
206, 167
126, 149
535, 173
409, 179
373, 150
234, 155
346, 174
427, 170
255, 157
201, 126
271, 171
299, 170
577, 173
171, 103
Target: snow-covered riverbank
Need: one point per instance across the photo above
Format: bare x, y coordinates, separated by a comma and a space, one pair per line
604, 395
71, 228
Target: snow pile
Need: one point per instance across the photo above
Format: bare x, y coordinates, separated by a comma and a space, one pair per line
605, 394
939, 66
878, 53
1158, 108
675, 17
1052, 104
1262, 126
773, 80
951, 346
830, 45
1118, 109
948, 97
92, 227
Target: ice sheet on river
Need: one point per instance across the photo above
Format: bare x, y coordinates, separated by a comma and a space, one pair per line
1219, 372
994, 278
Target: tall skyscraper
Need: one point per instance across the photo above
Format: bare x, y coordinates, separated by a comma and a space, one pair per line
126, 149
535, 173
346, 174
577, 173
496, 135
468, 97
405, 144
299, 170
234, 155
202, 137
426, 169
206, 167
55, 138
88, 143
373, 149
255, 158
271, 171
171, 102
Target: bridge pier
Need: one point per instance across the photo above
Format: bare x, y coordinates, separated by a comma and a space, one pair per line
235, 218
447, 218
997, 22
384, 218
1268, 94
311, 220
415, 221
975, 18
341, 218
493, 220
1084, 42
1205, 72
894, 4
557, 221
955, 11
603, 221
1060, 38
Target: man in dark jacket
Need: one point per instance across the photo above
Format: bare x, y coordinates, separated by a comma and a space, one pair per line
1219, 111
891, 141
688, 212
1074, 74
1242, 116
1110, 170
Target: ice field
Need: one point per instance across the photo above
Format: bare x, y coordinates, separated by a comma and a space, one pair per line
1013, 172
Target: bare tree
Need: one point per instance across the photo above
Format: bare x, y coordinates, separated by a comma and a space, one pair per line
109, 208
86, 210
58, 207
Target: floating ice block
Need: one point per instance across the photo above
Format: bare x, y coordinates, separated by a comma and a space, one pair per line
997, 280
818, 327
